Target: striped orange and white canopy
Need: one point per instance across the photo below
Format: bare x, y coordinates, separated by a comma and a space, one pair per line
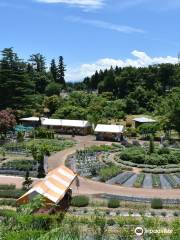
54, 186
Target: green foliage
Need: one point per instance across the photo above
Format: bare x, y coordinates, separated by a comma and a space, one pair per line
151, 145
8, 202
156, 183
27, 182
156, 203
113, 203
109, 172
80, 201
14, 193
20, 165
139, 180
43, 133
140, 155
53, 89
7, 186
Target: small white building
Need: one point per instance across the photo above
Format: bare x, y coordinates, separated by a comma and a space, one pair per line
30, 121
65, 126
141, 120
109, 132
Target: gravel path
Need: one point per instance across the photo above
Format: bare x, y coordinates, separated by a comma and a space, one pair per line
147, 181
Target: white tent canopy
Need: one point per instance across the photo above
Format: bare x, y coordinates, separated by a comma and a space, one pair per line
109, 128
144, 120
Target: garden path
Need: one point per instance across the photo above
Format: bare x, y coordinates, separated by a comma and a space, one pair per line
88, 186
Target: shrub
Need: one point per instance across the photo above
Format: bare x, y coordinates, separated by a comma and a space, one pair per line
176, 214
80, 201
111, 222
153, 213
156, 203
113, 203
44, 133
163, 214
164, 150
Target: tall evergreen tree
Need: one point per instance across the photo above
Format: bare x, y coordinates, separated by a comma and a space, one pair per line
38, 62
53, 70
61, 71
15, 84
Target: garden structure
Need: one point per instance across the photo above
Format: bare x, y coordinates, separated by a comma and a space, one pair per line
64, 126
142, 120
109, 132
54, 188
30, 121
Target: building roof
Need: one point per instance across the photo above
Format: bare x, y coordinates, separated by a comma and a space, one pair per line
64, 122
144, 120
30, 119
109, 128
54, 186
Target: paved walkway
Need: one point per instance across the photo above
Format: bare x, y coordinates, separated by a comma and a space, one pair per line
92, 187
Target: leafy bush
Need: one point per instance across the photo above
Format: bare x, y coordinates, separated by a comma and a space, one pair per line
7, 186
109, 172
156, 203
80, 201
43, 133
113, 203
164, 150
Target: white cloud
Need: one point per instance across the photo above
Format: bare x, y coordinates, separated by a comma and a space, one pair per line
141, 60
78, 3
105, 25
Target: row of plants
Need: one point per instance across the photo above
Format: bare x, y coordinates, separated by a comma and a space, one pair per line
8, 202
14, 193
161, 170
53, 145
108, 172
20, 165
156, 183
7, 186
139, 180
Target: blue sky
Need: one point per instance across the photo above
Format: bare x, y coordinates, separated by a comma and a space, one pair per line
93, 34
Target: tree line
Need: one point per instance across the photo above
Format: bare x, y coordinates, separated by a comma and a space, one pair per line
22, 83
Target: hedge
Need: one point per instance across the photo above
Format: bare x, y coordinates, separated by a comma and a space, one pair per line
80, 201
156, 203
113, 203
